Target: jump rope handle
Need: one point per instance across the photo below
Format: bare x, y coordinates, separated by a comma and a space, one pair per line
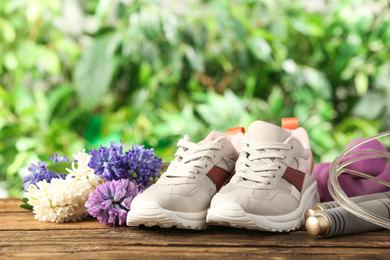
334, 204
338, 221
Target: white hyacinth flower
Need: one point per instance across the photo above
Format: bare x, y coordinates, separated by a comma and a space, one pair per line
63, 200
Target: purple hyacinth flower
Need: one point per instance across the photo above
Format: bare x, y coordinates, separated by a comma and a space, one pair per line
138, 163
58, 158
144, 164
27, 181
117, 148
39, 172
107, 162
110, 202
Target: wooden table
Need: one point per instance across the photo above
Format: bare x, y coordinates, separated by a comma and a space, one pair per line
22, 236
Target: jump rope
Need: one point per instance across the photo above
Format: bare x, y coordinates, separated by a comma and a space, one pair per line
348, 215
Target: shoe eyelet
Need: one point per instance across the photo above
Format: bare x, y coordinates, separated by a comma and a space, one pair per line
291, 147
279, 167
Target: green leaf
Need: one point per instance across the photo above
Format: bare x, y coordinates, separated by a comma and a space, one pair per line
26, 206
26, 143
60, 167
276, 101
260, 48
10, 61
93, 131
195, 59
94, 72
18, 162
361, 83
371, 106
8, 31
56, 98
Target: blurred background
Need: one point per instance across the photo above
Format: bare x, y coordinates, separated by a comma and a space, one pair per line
75, 74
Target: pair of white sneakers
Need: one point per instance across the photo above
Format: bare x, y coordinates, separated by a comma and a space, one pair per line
261, 180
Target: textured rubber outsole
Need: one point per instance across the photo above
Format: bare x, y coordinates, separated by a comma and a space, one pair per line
150, 213
233, 215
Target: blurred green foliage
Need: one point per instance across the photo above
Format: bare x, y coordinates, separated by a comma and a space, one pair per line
76, 74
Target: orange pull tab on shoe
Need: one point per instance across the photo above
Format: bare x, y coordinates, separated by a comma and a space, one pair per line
235, 130
290, 123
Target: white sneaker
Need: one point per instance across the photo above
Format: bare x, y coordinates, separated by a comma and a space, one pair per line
274, 182
182, 195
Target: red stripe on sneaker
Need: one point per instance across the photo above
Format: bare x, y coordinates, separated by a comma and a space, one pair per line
294, 177
218, 176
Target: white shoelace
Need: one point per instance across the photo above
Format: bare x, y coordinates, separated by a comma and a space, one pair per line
190, 161
269, 153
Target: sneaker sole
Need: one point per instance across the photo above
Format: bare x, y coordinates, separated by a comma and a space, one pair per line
150, 213
232, 214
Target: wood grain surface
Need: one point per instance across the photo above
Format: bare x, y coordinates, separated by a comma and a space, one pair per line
21, 236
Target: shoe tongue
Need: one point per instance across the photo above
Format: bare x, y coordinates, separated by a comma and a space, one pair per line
220, 138
266, 132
